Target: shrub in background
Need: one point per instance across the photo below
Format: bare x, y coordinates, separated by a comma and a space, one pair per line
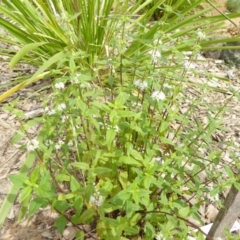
115, 151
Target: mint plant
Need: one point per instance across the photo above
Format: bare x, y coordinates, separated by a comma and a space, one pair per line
116, 150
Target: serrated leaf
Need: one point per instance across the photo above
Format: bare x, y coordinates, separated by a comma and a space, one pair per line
86, 215
137, 155
102, 170
13, 192
123, 179
18, 180
79, 235
131, 230
74, 184
61, 206
34, 206
110, 136
34, 175
184, 212
80, 165
129, 161
60, 224
63, 177
101, 106
25, 193
78, 204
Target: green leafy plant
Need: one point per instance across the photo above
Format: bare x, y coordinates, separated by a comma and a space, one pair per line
116, 151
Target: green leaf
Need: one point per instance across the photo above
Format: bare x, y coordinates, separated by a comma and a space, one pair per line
23, 51
17, 137
164, 126
61, 206
13, 192
129, 161
131, 230
123, 179
74, 184
101, 106
45, 191
149, 230
34, 175
80, 165
78, 204
184, 212
137, 155
24, 208
86, 215
110, 136
35, 205
60, 224
102, 170
79, 235
63, 177
26, 192
18, 180
121, 99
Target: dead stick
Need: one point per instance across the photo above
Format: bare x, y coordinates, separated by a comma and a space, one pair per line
227, 215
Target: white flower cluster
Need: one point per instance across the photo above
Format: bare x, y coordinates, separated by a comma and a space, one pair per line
166, 85
189, 65
75, 80
159, 236
59, 144
61, 107
48, 142
59, 85
156, 55
142, 85
201, 35
97, 199
32, 145
85, 85
49, 111
64, 118
214, 198
116, 127
158, 95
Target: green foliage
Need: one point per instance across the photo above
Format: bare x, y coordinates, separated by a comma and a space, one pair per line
115, 150
233, 6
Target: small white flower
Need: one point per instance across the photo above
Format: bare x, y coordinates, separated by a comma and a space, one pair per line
97, 199
70, 143
48, 142
201, 35
189, 65
32, 145
158, 95
157, 42
61, 106
64, 118
59, 85
166, 85
142, 85
159, 236
156, 55
85, 85
49, 111
75, 80
211, 198
59, 144
116, 128
158, 159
